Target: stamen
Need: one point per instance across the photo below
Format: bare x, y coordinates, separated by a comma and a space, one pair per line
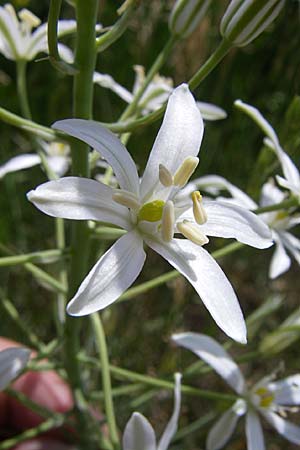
191, 231
185, 171
165, 176
58, 149
29, 18
266, 397
198, 210
126, 198
152, 211
168, 220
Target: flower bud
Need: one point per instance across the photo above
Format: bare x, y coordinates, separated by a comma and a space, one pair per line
185, 16
244, 20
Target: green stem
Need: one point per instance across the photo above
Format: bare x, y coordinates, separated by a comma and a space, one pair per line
285, 204
210, 64
158, 63
22, 88
41, 257
106, 381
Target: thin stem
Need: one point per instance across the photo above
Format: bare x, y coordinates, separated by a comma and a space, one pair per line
285, 204
22, 88
43, 257
106, 381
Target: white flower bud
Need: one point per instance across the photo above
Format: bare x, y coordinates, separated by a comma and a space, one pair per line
244, 20
185, 16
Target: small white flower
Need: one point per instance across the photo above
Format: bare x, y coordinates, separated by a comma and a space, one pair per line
139, 434
156, 94
18, 41
149, 210
57, 156
12, 361
280, 222
268, 398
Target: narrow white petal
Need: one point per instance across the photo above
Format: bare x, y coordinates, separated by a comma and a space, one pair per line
108, 145
232, 221
287, 429
254, 433
108, 82
12, 361
115, 271
222, 430
209, 281
291, 243
179, 137
293, 187
211, 112
270, 194
19, 162
171, 428
59, 164
138, 434
213, 354
286, 391
65, 53
79, 199
280, 261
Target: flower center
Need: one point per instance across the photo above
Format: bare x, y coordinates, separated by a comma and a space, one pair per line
152, 211
266, 398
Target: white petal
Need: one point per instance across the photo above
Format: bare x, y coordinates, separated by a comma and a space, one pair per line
213, 354
79, 199
108, 145
254, 433
12, 361
280, 261
59, 164
179, 136
270, 194
231, 221
65, 53
211, 112
171, 428
209, 281
138, 434
294, 188
291, 243
287, 429
289, 169
222, 430
286, 391
19, 162
115, 271
108, 82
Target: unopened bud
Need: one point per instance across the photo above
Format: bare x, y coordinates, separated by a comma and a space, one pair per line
244, 20
185, 16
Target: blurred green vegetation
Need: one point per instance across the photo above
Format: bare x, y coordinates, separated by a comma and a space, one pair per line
265, 74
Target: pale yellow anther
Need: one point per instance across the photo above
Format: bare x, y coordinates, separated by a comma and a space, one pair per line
126, 198
29, 18
168, 221
58, 149
191, 231
185, 171
198, 209
266, 397
165, 176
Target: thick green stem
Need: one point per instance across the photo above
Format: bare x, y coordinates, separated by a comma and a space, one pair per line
106, 381
22, 88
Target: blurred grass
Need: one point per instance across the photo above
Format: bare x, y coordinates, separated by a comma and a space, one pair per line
265, 74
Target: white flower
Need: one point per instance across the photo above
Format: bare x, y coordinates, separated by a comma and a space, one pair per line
19, 42
139, 434
280, 222
56, 153
291, 180
155, 95
12, 361
149, 211
186, 15
269, 398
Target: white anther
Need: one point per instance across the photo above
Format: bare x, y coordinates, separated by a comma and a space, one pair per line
185, 171
126, 198
165, 176
198, 209
168, 221
29, 18
191, 231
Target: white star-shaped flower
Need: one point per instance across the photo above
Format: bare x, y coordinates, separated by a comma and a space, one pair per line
19, 42
139, 434
150, 212
268, 398
57, 155
12, 361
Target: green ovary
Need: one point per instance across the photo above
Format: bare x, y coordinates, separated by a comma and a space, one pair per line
152, 211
